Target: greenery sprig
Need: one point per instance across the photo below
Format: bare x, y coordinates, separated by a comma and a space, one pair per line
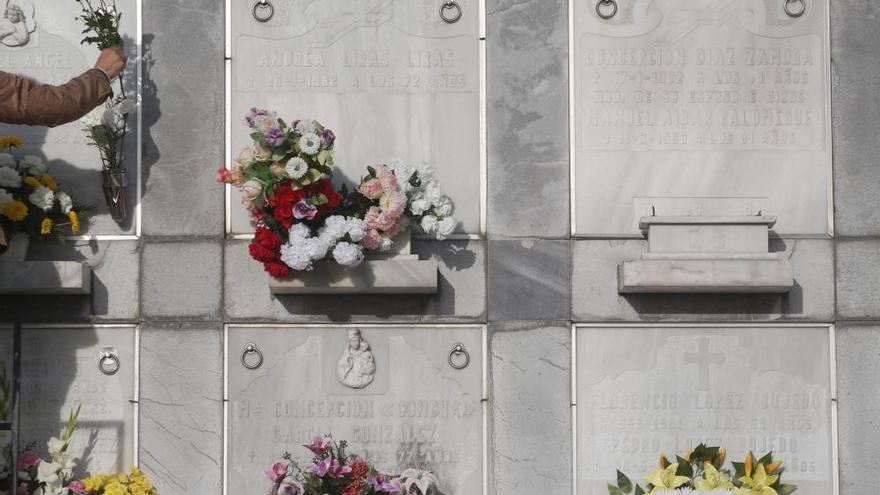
101, 20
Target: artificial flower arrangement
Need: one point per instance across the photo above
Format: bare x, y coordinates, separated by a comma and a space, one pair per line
54, 476
31, 200
301, 218
107, 125
334, 472
702, 472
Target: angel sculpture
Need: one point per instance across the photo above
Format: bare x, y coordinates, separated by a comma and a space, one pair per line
17, 23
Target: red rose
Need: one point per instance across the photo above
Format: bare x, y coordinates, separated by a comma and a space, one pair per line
276, 269
282, 203
263, 254
268, 239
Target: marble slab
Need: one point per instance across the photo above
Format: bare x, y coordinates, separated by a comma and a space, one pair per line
391, 276
53, 54
413, 410
720, 107
389, 77
642, 390
60, 372
45, 277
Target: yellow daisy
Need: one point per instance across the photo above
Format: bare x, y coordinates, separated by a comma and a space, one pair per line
33, 182
74, 222
7, 142
46, 226
15, 211
49, 182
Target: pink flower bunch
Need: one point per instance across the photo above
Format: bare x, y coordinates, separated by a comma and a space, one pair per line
384, 220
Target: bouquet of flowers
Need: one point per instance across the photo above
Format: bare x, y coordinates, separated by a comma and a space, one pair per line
54, 476
702, 472
107, 125
333, 472
301, 218
31, 201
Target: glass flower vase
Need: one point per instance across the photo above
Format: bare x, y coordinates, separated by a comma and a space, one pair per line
115, 187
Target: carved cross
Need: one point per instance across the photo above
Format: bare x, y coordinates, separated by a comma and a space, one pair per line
704, 359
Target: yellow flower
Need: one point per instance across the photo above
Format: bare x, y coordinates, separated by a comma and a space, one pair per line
15, 211
74, 222
774, 466
666, 478
10, 142
49, 182
33, 182
713, 479
46, 226
759, 484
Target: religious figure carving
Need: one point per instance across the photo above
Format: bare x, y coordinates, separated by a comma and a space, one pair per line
357, 366
17, 24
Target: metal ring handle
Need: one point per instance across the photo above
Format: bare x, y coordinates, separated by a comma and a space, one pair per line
795, 13
602, 5
251, 348
459, 350
108, 362
261, 6
456, 12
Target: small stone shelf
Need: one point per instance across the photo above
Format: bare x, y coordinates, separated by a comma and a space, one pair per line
44, 278
398, 275
707, 255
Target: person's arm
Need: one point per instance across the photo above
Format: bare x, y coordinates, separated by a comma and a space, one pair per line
25, 101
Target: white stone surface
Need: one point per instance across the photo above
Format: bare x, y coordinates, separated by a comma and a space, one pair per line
701, 108
389, 77
54, 55
691, 276
642, 390
59, 373
45, 277
417, 411
707, 234
370, 277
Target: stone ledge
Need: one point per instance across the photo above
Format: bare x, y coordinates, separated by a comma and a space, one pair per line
393, 276
41, 278
705, 276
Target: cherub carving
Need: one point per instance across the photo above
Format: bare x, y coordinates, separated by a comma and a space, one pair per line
17, 23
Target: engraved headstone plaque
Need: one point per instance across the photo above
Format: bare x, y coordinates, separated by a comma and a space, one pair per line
60, 373
642, 390
712, 108
45, 45
389, 77
416, 410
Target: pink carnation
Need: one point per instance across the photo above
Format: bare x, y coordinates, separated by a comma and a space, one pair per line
393, 204
388, 180
372, 189
372, 240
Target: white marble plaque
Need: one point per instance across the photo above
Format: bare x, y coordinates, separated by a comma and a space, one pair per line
59, 373
53, 54
396, 400
718, 107
389, 77
642, 390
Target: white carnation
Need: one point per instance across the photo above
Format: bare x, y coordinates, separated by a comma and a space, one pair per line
315, 248
9, 178
300, 231
445, 228
433, 193
125, 107
348, 254
295, 257
357, 229
310, 143
419, 206
306, 126
5, 198
93, 118
296, 168
444, 207
34, 165
426, 172
65, 202
386, 244
7, 160
43, 198
429, 224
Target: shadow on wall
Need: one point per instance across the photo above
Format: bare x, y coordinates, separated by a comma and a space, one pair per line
700, 306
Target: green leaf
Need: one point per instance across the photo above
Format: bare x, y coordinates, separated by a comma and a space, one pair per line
372, 171
639, 490
767, 459
613, 490
739, 468
623, 482
684, 468
785, 489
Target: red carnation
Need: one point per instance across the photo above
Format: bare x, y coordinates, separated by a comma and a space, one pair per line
285, 198
359, 468
353, 489
276, 269
267, 238
334, 199
262, 253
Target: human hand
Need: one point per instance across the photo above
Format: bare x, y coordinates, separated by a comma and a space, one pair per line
112, 61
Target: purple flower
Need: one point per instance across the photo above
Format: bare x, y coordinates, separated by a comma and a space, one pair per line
275, 137
319, 445
278, 472
304, 211
328, 138
252, 114
289, 487
381, 484
329, 467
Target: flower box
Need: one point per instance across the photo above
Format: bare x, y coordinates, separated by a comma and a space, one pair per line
45, 278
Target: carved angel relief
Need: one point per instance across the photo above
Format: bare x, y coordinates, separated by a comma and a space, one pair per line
17, 23
356, 367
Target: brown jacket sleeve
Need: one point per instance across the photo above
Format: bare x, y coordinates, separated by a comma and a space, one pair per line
25, 101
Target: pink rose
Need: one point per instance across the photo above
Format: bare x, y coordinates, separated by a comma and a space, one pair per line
393, 203
28, 459
372, 189
388, 180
